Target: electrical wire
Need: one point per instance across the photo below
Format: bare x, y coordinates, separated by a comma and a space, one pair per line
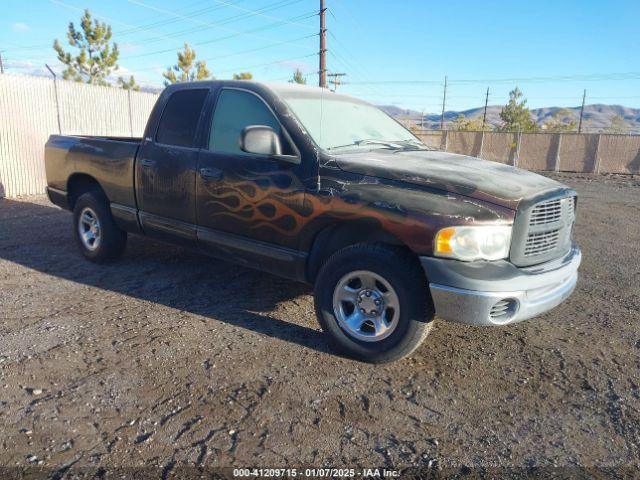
193, 20
259, 13
244, 69
595, 77
217, 39
234, 54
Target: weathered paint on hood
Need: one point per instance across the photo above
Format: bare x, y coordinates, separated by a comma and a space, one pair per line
494, 182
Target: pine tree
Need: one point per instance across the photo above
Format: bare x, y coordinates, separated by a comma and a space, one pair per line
617, 125
129, 84
464, 124
515, 115
298, 77
562, 120
243, 76
187, 69
96, 57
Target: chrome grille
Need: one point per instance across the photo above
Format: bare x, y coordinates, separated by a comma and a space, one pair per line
543, 242
542, 231
572, 206
548, 212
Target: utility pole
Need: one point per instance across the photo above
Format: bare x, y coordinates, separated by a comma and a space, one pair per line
323, 47
422, 120
444, 101
1, 64
335, 79
484, 115
584, 96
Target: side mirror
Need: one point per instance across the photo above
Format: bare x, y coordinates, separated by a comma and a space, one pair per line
263, 140
260, 139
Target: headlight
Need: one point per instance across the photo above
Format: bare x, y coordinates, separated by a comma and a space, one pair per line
486, 242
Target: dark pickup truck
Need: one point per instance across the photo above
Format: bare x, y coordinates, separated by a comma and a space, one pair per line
326, 189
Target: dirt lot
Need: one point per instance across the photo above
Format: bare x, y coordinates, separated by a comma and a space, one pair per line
168, 359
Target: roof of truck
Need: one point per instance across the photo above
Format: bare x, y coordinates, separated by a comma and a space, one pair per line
279, 88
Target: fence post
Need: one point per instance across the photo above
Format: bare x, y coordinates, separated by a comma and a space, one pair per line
516, 157
481, 143
130, 114
445, 140
55, 90
556, 167
596, 163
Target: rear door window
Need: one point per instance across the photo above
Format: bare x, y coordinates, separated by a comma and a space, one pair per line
180, 117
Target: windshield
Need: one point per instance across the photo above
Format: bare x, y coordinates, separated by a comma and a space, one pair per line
343, 123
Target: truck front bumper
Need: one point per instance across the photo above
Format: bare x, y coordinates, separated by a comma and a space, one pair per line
499, 293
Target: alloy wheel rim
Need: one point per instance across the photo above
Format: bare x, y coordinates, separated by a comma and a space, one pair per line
366, 306
89, 229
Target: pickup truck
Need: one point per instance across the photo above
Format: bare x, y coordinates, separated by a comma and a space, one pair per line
326, 189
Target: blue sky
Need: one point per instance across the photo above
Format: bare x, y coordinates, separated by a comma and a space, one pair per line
584, 44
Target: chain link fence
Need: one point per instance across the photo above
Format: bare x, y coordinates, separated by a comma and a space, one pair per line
32, 108
560, 152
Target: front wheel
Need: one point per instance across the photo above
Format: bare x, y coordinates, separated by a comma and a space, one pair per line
373, 302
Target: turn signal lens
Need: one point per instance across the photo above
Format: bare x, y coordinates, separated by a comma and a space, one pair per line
485, 242
443, 240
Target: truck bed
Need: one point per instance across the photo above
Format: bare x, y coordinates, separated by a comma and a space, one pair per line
115, 139
110, 160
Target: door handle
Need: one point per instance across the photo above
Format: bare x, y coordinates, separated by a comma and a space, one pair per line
148, 162
211, 173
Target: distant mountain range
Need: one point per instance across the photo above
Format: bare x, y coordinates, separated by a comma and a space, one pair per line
597, 117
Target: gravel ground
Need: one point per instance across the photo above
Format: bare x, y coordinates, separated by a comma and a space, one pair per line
169, 360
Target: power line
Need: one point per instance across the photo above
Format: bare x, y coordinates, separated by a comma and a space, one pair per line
228, 55
230, 20
219, 39
361, 72
374, 91
238, 69
166, 12
235, 34
193, 20
173, 20
596, 77
178, 33
168, 36
259, 13
72, 7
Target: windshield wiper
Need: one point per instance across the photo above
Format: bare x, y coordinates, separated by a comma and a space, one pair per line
369, 141
412, 145
393, 144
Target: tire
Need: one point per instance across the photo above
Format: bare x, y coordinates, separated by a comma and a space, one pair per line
350, 272
109, 240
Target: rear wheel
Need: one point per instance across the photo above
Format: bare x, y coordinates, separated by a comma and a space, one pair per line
373, 302
95, 231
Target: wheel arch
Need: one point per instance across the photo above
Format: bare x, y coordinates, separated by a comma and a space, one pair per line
79, 184
336, 236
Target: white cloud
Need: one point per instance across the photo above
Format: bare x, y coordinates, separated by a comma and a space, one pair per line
303, 66
27, 67
20, 27
128, 48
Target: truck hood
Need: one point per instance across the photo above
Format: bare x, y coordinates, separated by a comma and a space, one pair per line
490, 181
